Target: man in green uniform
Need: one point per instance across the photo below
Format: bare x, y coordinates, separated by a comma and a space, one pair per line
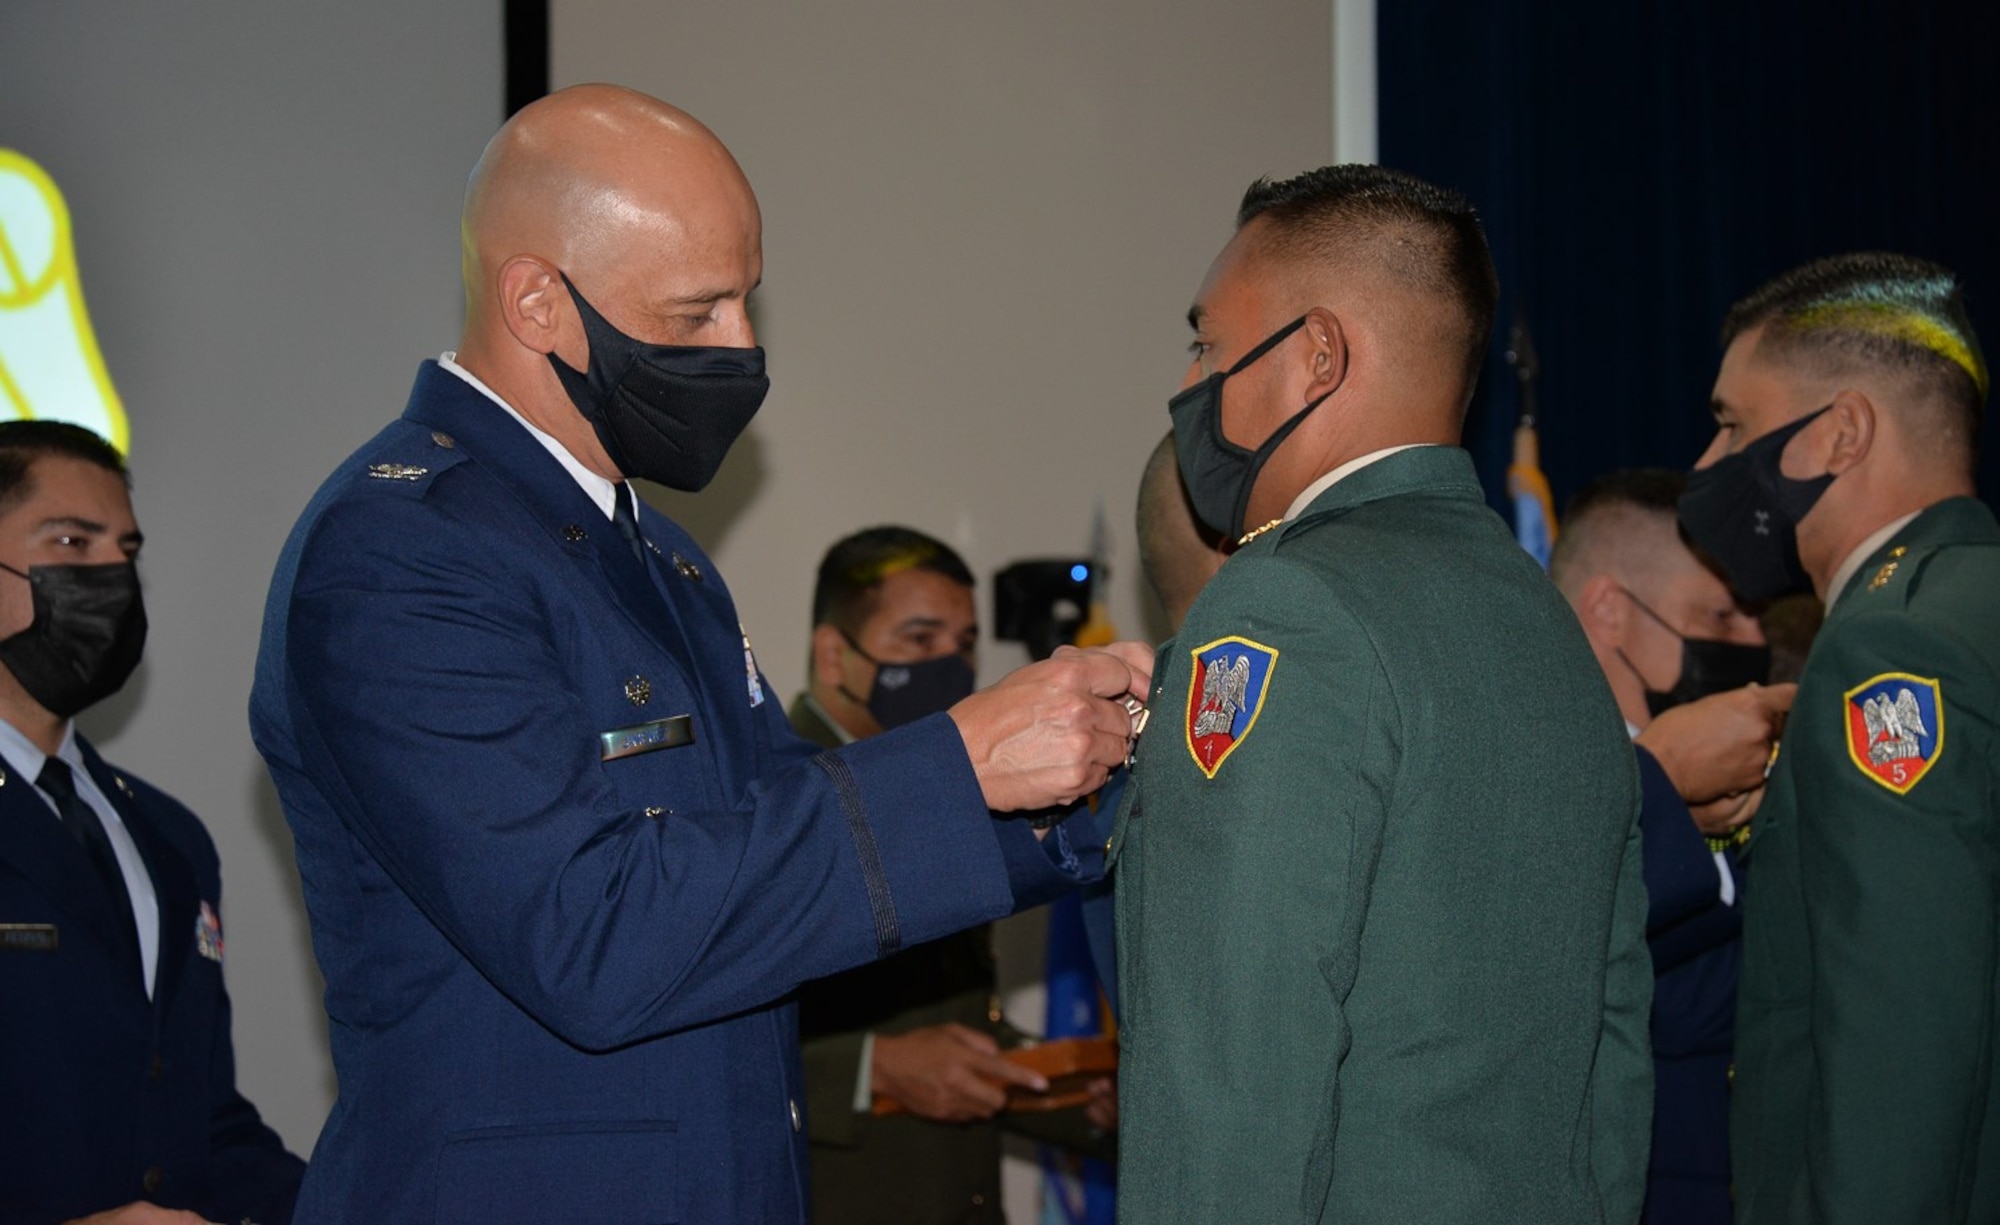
894, 630
1380, 917
1848, 407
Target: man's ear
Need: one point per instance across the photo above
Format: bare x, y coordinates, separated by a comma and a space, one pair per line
1326, 351
1853, 423
827, 644
531, 300
1604, 609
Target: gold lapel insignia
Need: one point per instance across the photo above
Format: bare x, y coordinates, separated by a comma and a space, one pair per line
1882, 576
1253, 533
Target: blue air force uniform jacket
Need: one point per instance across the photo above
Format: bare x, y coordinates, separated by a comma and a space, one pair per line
1696, 942
556, 973
107, 1096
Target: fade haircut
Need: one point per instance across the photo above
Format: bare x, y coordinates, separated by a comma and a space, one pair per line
1424, 237
1598, 525
24, 442
1875, 311
851, 574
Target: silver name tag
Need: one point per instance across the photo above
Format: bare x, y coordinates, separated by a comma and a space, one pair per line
646, 737
29, 937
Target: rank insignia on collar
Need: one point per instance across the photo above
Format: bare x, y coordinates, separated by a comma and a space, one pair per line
1226, 691
208, 934
1895, 728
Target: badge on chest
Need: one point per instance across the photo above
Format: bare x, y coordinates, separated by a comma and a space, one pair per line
1231, 678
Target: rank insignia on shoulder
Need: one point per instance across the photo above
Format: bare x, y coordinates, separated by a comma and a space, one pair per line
208, 934
1226, 691
1895, 728
396, 472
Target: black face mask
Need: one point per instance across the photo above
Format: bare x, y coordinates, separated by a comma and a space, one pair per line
88, 633
1708, 666
1742, 511
904, 693
1219, 474
666, 413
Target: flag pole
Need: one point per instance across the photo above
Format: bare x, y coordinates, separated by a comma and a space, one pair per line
1534, 504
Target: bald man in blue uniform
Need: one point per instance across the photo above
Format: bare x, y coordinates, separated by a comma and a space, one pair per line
564, 858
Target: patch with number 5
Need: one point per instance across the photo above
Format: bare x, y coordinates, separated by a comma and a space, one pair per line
1895, 728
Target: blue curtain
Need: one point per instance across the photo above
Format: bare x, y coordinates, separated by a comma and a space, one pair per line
1642, 165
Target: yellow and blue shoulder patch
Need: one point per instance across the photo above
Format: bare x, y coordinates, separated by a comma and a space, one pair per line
1226, 691
1895, 728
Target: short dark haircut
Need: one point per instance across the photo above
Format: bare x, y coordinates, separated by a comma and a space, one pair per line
24, 442
851, 573
1427, 237
1873, 310
1646, 488
1595, 528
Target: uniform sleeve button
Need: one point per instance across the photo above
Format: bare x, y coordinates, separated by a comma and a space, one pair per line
155, 1177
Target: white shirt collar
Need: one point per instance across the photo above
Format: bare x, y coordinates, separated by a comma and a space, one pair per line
1339, 474
1862, 552
600, 491
27, 758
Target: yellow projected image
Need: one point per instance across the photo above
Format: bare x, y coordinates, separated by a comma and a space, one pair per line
49, 363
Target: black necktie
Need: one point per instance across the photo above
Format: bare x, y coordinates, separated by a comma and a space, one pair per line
628, 523
80, 819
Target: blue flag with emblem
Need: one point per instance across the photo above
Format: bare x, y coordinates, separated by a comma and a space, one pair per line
1076, 1190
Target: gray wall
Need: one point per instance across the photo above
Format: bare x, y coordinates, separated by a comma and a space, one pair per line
265, 199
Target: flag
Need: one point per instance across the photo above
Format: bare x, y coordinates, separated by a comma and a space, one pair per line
1534, 506
1076, 1190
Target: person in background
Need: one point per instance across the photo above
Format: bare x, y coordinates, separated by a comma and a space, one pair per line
565, 861
894, 639
1178, 553
118, 1099
1687, 666
1848, 409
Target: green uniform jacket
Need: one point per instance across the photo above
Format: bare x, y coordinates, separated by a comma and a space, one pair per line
1388, 964
1866, 1085
902, 1170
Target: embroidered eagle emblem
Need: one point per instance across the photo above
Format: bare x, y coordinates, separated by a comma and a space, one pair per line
1225, 693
